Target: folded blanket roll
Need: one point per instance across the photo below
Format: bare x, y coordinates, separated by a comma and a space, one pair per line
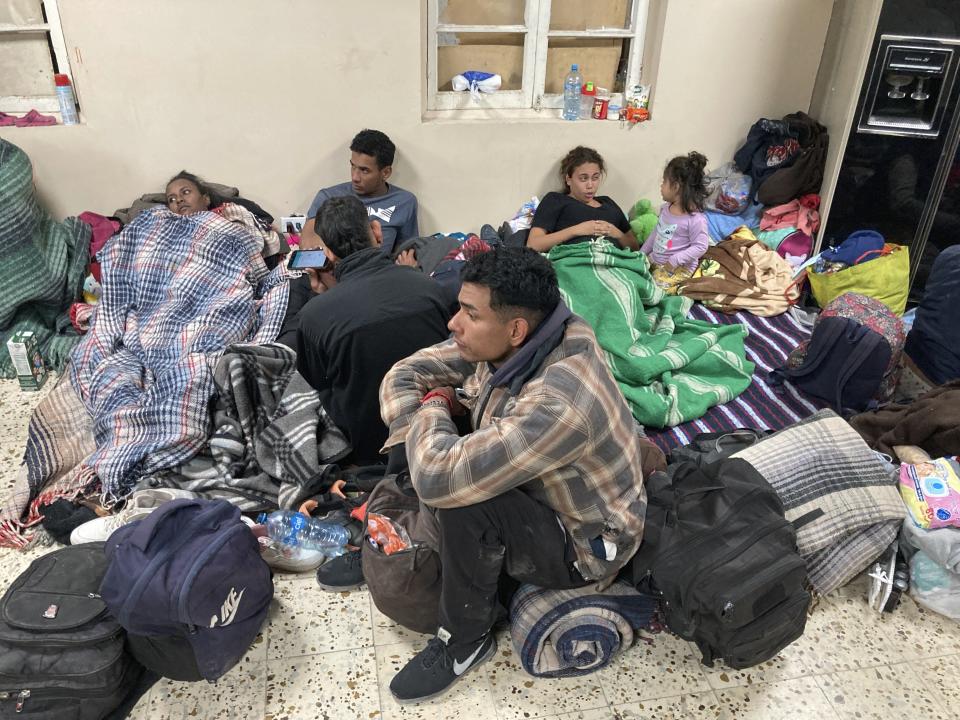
564, 633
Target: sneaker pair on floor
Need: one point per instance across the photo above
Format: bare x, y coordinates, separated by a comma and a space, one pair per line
140, 504
890, 578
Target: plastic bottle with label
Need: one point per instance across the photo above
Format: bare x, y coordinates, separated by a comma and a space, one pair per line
587, 95
68, 103
571, 93
297, 530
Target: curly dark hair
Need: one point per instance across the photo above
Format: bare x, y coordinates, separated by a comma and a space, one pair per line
574, 159
343, 226
687, 172
202, 187
520, 280
375, 144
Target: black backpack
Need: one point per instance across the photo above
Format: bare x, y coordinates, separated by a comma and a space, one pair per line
61, 652
718, 550
845, 365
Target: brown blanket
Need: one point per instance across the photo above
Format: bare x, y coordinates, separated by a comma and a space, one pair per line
744, 274
931, 422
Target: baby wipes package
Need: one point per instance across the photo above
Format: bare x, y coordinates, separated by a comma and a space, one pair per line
931, 492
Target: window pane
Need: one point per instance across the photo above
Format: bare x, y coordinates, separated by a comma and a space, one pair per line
500, 53
580, 15
602, 61
21, 12
25, 66
481, 12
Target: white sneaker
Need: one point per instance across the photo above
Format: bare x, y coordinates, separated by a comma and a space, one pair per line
139, 505
291, 559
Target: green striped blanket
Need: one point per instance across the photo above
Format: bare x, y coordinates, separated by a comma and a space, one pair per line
42, 264
671, 369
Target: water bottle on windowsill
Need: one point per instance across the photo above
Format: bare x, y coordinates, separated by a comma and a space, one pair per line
571, 93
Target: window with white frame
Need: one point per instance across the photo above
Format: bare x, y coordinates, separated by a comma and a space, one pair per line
531, 44
32, 50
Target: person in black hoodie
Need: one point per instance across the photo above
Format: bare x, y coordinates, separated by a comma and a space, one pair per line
369, 314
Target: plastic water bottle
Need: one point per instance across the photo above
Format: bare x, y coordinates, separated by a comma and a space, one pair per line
68, 104
297, 530
571, 93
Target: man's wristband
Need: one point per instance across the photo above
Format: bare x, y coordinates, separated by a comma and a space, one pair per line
437, 395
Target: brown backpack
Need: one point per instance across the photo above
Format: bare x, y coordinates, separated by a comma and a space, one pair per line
405, 586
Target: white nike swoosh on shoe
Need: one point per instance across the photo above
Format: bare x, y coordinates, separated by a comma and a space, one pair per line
459, 668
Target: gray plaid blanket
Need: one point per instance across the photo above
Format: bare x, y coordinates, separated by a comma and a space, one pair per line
273, 444
821, 463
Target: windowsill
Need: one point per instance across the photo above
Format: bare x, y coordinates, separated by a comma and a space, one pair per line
549, 116
58, 124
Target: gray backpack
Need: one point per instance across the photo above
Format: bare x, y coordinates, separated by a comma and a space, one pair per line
61, 652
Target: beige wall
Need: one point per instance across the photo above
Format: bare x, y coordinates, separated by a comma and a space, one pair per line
837, 88
266, 96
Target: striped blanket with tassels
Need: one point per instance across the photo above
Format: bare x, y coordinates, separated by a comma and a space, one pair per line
59, 439
564, 633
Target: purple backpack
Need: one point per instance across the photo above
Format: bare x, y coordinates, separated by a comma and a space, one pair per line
188, 578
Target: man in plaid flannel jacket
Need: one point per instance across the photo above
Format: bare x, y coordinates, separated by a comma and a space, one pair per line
546, 489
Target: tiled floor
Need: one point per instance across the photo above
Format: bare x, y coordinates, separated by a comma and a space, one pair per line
332, 656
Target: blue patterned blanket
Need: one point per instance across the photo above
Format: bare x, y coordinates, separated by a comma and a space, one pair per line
177, 290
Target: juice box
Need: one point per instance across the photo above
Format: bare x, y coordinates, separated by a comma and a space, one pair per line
25, 354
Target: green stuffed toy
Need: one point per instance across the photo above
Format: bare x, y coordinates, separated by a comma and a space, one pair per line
643, 220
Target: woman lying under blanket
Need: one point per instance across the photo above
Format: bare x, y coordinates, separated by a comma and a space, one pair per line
186, 194
177, 290
669, 368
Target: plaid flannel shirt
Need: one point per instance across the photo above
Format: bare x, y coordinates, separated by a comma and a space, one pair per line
567, 439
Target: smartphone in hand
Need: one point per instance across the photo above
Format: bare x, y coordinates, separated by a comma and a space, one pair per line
308, 260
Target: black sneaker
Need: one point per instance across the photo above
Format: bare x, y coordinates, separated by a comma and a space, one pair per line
434, 669
341, 573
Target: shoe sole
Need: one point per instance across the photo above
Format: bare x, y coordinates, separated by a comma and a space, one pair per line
338, 588
486, 656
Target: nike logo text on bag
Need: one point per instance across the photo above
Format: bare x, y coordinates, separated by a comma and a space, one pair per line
228, 611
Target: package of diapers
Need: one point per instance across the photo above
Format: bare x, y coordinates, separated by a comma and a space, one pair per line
931, 492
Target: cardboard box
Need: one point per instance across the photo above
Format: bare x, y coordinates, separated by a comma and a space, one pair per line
25, 354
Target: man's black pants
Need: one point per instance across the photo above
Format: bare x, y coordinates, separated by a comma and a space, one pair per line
511, 535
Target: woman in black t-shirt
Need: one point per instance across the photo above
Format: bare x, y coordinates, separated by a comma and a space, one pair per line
578, 213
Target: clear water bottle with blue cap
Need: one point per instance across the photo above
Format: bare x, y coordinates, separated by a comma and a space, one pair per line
571, 93
297, 530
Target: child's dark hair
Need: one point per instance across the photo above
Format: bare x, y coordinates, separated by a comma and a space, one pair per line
687, 172
574, 159
202, 187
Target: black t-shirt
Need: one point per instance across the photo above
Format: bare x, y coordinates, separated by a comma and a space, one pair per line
558, 212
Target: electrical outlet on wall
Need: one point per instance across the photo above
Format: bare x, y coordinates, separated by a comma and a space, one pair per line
292, 223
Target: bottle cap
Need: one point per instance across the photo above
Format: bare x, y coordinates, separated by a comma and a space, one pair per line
61, 80
589, 89
574, 68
